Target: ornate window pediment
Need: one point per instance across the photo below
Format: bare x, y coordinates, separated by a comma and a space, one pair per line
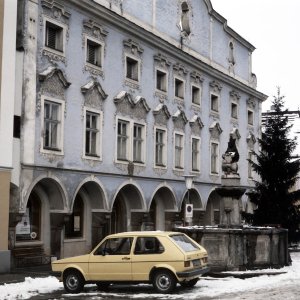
94, 29
57, 9
179, 119
94, 94
215, 130
235, 96
132, 47
196, 124
196, 77
251, 103
215, 86
180, 70
53, 82
135, 108
162, 61
161, 114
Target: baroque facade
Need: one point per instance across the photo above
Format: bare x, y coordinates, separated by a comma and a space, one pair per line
118, 101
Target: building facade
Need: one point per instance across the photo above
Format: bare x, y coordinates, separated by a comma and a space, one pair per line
118, 101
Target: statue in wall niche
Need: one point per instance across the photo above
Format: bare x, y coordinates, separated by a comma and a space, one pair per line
185, 22
230, 158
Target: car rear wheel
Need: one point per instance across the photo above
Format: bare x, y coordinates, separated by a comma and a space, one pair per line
189, 283
164, 281
73, 281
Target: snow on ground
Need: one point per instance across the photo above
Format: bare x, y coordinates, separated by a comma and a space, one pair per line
206, 287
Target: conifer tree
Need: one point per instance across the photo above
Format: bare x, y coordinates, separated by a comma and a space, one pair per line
278, 172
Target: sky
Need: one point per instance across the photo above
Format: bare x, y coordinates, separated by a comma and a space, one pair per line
273, 28
214, 288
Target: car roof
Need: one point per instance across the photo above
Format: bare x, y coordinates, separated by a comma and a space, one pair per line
144, 233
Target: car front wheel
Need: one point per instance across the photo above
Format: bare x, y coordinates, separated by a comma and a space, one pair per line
73, 282
164, 281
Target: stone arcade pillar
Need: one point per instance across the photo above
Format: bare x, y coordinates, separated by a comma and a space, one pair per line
231, 191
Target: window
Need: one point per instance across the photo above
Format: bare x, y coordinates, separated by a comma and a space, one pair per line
93, 53
160, 147
214, 103
132, 69
54, 36
195, 95
122, 147
250, 117
74, 226
234, 110
250, 157
184, 243
138, 142
148, 245
178, 151
214, 157
115, 246
17, 127
196, 154
179, 88
52, 125
161, 81
92, 134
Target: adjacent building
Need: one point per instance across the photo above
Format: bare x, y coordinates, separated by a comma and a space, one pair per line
116, 101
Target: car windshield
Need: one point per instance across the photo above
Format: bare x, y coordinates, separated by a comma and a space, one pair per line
184, 243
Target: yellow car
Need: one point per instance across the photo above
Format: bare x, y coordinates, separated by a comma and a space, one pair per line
161, 258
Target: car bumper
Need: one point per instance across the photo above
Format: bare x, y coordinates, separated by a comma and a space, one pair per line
193, 273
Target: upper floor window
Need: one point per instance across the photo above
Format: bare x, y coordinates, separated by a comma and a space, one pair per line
161, 81
52, 125
196, 154
160, 147
122, 143
138, 142
250, 117
250, 170
214, 103
178, 151
196, 95
54, 36
93, 53
234, 110
179, 88
92, 134
132, 68
214, 158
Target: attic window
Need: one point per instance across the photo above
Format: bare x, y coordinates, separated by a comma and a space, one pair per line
185, 22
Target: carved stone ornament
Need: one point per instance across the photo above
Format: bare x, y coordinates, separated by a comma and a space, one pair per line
216, 86
196, 125
162, 61
127, 106
161, 114
251, 102
215, 130
53, 57
179, 119
53, 82
253, 81
251, 140
94, 29
133, 47
180, 70
196, 77
230, 158
55, 10
94, 94
235, 96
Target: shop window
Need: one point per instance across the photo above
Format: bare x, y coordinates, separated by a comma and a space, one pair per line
74, 225
28, 229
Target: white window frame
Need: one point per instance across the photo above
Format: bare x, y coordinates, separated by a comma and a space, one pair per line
199, 91
183, 88
164, 152
64, 30
130, 141
98, 155
217, 158
165, 79
252, 114
198, 170
218, 103
138, 66
60, 131
101, 45
182, 151
236, 109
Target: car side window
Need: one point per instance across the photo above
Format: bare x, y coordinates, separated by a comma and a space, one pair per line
115, 246
148, 245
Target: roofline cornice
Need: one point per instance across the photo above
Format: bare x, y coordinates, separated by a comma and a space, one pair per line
144, 35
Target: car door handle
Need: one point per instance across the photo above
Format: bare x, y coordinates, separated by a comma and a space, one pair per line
126, 258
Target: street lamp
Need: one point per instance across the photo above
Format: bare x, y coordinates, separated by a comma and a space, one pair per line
188, 210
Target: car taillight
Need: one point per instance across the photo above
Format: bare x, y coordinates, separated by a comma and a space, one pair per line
187, 264
204, 260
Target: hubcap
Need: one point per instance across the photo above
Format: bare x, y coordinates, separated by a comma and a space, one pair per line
163, 282
72, 282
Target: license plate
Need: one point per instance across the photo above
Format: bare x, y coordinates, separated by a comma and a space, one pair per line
196, 262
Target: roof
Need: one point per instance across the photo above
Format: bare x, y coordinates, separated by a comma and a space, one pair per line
144, 233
